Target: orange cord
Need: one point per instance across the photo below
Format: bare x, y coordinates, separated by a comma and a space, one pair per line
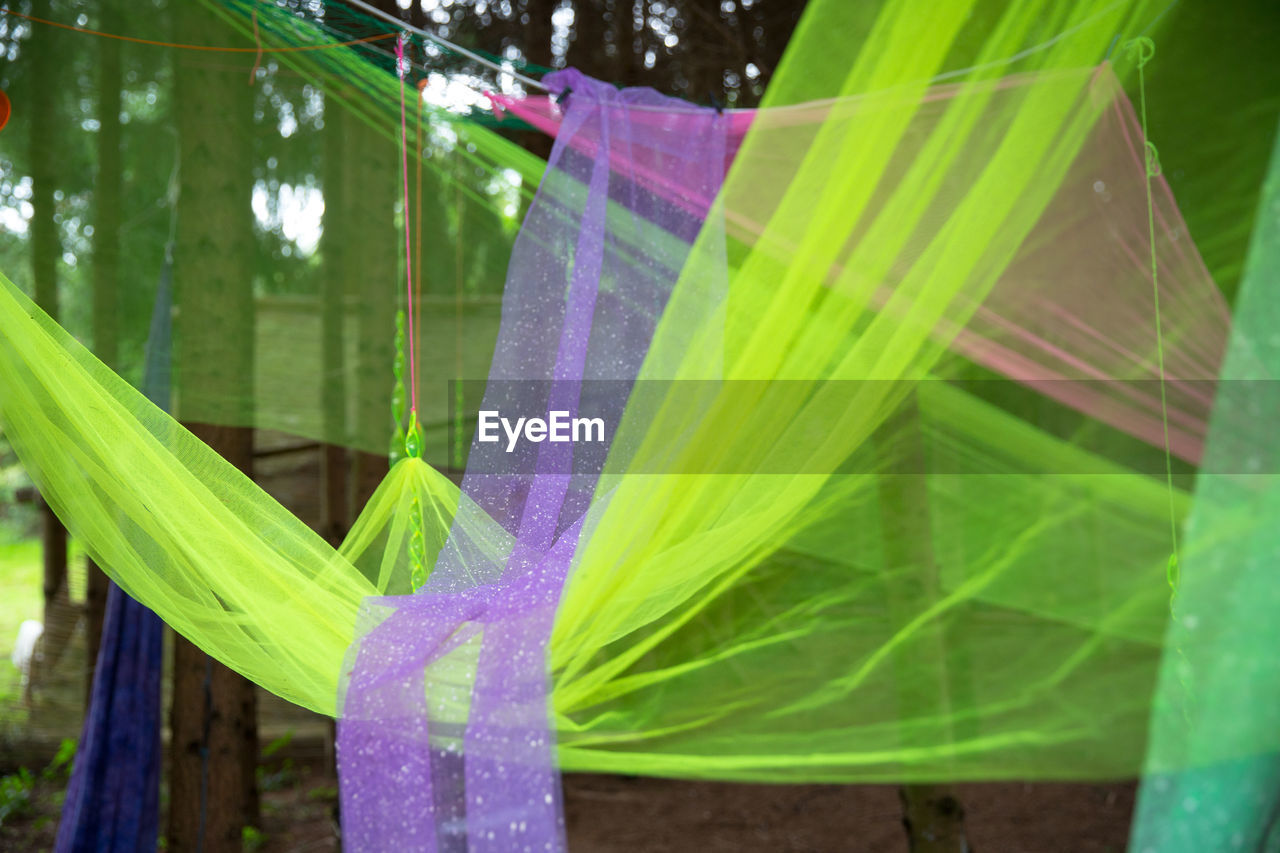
257, 40
214, 49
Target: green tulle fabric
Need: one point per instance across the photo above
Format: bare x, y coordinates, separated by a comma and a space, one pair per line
838, 563
1213, 763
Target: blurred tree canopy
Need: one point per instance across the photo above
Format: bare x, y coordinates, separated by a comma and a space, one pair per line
707, 51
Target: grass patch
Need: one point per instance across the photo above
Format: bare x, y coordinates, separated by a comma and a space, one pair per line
20, 599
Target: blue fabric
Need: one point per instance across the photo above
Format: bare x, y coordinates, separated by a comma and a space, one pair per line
113, 798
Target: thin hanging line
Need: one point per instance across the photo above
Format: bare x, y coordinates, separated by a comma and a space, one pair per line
1173, 571
257, 39
447, 45
1151, 164
408, 243
458, 390
417, 213
205, 47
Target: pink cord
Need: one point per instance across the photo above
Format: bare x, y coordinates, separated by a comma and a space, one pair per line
401, 70
257, 60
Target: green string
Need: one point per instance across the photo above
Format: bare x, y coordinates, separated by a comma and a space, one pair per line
458, 403
417, 543
1145, 49
407, 444
398, 394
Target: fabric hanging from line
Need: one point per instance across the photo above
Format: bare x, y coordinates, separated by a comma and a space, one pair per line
1049, 324
719, 621
579, 311
302, 402
319, 329
456, 687
1048, 601
842, 310
670, 614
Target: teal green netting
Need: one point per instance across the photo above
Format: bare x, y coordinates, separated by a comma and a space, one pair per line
1213, 761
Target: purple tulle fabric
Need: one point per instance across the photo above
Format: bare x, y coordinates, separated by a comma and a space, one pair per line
591, 270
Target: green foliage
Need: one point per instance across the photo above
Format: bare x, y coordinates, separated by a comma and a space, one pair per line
252, 838
63, 761
324, 792
282, 776
15, 794
279, 779
17, 789
278, 744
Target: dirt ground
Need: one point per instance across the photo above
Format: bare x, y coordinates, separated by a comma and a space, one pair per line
609, 814
613, 814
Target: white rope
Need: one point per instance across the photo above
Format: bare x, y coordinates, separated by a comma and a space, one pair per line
447, 45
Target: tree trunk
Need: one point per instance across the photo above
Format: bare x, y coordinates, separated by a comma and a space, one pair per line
46, 247
106, 277
336, 252
213, 749
213, 752
586, 42
45, 71
335, 461
932, 817
371, 195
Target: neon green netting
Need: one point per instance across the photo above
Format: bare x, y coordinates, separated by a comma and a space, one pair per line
467, 192
927, 583
163, 510
873, 624
324, 126
182, 530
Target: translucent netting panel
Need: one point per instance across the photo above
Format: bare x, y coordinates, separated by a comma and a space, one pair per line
1075, 324
468, 190
896, 579
1073, 312
286, 224
1210, 71
791, 625
176, 526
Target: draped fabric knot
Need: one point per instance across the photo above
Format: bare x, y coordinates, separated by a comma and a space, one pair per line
445, 741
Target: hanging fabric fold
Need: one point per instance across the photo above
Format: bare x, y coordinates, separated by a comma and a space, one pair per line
741, 600
445, 741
